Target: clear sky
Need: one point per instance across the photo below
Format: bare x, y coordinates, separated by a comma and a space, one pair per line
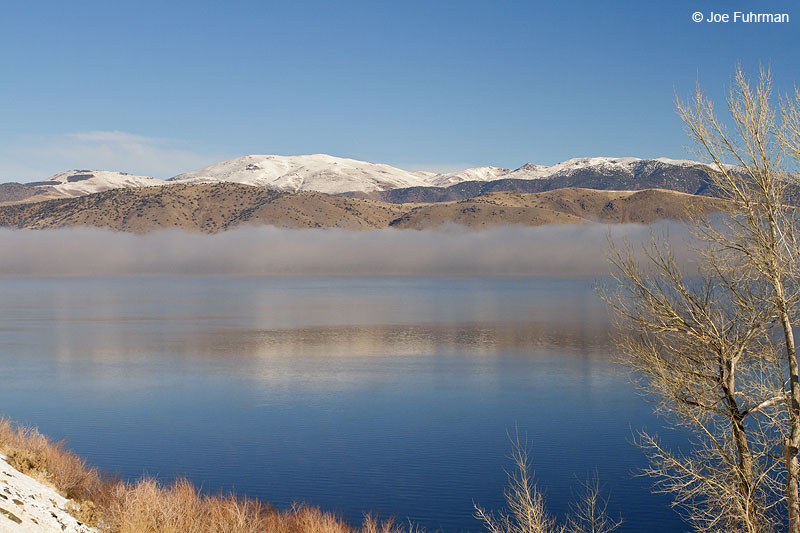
163, 87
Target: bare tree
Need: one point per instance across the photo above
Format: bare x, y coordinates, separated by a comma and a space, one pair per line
718, 348
702, 349
749, 170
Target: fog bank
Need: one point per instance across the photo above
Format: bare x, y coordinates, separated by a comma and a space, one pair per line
556, 251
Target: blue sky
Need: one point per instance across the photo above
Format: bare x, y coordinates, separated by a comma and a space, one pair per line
162, 87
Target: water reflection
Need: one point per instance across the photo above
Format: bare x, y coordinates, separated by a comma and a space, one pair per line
393, 395
400, 339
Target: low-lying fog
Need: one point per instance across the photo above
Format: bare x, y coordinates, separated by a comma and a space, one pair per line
559, 251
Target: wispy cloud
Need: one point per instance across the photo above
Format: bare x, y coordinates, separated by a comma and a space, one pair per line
36, 157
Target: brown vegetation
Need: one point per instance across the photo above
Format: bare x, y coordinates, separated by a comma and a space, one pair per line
33, 454
212, 208
148, 506
13, 192
562, 206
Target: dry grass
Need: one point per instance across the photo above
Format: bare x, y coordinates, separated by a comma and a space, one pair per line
33, 454
148, 506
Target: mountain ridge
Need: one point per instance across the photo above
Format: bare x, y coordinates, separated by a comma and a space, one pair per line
335, 175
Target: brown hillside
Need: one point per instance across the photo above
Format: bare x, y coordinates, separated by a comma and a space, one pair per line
562, 206
13, 192
208, 208
212, 208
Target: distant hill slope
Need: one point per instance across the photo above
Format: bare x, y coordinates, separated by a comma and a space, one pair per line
211, 208
202, 207
562, 206
13, 192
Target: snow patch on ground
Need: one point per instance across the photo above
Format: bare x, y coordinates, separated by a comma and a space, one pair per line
26, 505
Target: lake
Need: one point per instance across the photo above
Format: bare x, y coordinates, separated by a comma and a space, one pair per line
392, 395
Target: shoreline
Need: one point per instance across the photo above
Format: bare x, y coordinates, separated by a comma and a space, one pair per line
46, 488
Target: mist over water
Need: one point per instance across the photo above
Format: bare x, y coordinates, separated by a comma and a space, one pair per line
544, 251
357, 391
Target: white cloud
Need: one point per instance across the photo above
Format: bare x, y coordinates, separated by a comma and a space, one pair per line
37, 157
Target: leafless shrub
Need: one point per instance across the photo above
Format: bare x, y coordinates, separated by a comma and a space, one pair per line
526, 511
589, 514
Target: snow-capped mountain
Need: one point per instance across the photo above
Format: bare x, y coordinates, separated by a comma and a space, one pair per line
318, 172
469, 174
530, 171
604, 173
80, 182
608, 165
337, 175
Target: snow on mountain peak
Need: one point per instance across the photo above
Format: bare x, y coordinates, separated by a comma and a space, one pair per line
624, 165
485, 173
318, 172
80, 182
333, 175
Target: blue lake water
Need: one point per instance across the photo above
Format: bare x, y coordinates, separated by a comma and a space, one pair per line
391, 395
